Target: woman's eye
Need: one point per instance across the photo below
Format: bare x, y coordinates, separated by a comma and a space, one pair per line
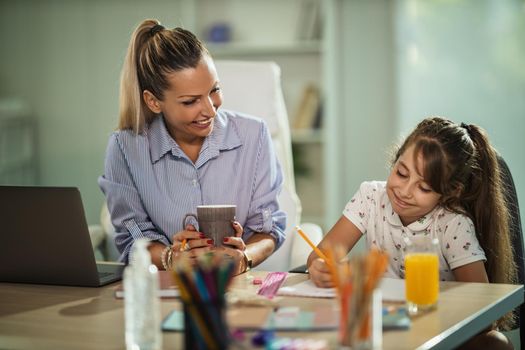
215, 90
188, 103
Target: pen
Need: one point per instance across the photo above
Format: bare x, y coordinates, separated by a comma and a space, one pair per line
316, 250
183, 245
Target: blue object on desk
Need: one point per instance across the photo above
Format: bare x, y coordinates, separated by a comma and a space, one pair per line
262, 338
395, 317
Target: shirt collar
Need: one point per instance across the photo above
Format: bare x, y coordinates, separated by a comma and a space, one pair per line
393, 219
224, 136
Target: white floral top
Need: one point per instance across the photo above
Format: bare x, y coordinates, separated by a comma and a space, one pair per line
371, 211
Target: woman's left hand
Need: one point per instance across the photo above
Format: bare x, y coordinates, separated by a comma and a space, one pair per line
234, 246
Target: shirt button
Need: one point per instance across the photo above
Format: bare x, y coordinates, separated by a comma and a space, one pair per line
194, 183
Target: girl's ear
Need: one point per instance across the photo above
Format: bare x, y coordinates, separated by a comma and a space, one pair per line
151, 101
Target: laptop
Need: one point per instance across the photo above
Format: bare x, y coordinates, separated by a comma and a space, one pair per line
44, 239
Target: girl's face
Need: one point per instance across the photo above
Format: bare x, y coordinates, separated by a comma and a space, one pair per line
410, 195
191, 102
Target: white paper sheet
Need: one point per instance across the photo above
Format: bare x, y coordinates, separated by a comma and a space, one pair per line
392, 289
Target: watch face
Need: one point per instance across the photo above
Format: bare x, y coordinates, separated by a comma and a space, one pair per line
248, 261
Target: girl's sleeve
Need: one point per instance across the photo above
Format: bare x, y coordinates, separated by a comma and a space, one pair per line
128, 215
460, 244
264, 214
358, 209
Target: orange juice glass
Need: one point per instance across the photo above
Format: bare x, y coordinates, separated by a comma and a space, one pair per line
422, 274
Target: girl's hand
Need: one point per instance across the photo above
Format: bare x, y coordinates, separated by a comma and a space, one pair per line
196, 242
320, 274
234, 247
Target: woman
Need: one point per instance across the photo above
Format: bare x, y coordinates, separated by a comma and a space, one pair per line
174, 149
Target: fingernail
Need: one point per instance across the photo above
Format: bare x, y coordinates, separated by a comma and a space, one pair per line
225, 239
202, 235
209, 241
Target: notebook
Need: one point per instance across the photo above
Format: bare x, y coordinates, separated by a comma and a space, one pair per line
392, 289
44, 239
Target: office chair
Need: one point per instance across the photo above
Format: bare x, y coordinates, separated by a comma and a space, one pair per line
516, 236
255, 88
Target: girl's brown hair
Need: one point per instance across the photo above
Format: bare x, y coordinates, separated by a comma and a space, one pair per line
462, 166
153, 53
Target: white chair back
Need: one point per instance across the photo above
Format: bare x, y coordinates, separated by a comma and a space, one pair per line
255, 88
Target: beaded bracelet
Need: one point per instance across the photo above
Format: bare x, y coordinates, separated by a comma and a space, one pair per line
163, 257
170, 258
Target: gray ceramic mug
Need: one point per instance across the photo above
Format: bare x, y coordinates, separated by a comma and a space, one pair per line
215, 221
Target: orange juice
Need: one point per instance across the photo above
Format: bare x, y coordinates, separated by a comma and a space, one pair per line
422, 279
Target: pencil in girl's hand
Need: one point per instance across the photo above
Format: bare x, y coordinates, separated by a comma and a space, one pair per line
311, 244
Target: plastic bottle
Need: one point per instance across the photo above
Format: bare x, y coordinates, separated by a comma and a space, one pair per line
142, 306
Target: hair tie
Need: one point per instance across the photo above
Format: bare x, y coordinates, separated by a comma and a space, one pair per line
466, 127
155, 29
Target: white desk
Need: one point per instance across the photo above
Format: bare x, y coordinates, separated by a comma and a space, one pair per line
55, 317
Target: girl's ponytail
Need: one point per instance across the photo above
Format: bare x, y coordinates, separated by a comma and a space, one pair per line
483, 198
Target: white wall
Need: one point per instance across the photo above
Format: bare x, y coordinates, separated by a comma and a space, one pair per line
391, 63
466, 61
64, 58
360, 99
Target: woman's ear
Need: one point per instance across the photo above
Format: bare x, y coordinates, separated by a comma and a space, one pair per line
151, 101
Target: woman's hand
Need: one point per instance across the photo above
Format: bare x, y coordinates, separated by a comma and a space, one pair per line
235, 247
320, 274
196, 242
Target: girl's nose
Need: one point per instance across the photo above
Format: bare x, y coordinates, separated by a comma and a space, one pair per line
406, 191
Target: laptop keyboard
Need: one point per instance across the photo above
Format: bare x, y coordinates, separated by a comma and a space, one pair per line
104, 274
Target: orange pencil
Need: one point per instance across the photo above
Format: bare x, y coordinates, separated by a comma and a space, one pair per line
183, 245
311, 244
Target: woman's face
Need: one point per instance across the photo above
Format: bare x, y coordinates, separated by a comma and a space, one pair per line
410, 195
190, 104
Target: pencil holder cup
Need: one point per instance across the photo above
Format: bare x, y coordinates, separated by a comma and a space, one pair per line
205, 325
360, 325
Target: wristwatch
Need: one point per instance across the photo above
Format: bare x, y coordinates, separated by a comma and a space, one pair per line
248, 262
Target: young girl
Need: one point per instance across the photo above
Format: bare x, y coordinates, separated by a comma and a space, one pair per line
445, 178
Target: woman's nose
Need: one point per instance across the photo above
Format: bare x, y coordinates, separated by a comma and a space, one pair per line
208, 108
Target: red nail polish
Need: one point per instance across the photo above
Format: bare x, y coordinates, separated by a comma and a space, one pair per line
209, 241
226, 239
202, 235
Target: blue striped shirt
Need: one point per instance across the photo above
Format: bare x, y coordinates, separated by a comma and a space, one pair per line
150, 183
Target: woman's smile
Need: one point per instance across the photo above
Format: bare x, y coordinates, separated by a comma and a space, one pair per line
202, 124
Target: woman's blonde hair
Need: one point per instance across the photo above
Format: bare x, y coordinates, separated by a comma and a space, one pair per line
152, 54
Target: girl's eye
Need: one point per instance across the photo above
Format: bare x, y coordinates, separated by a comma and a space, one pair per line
401, 174
426, 190
215, 89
